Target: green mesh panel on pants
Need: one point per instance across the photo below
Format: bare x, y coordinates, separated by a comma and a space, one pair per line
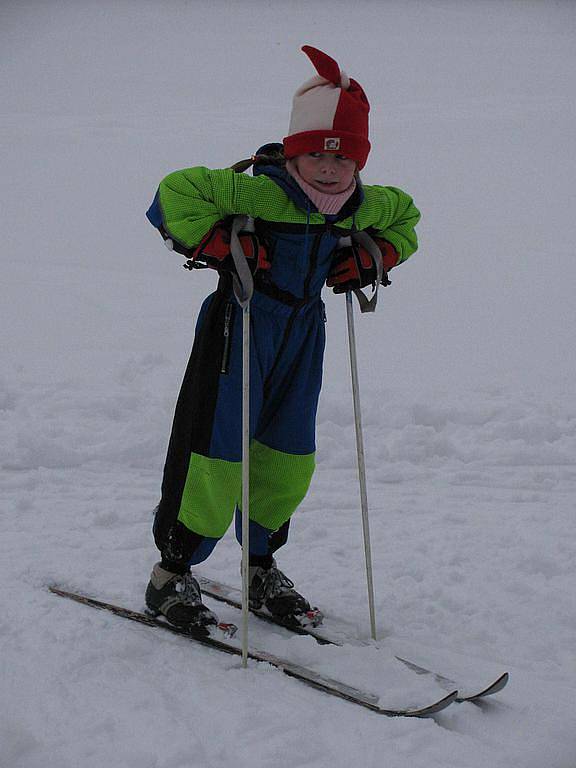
210, 494
278, 483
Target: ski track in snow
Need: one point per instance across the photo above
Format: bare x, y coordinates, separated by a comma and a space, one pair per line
466, 371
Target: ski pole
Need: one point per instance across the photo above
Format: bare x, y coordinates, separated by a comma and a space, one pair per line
243, 290
366, 305
361, 461
245, 477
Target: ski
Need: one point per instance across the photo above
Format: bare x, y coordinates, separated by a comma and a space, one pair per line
232, 596
448, 684
304, 674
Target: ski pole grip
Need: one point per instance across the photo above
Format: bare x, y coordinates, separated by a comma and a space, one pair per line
364, 239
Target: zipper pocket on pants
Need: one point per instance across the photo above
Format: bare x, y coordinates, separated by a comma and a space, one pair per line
225, 366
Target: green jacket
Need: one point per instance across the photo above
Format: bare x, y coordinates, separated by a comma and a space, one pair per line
189, 202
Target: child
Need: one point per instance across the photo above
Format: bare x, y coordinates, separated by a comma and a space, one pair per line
303, 197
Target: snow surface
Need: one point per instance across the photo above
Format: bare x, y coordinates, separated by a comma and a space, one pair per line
467, 374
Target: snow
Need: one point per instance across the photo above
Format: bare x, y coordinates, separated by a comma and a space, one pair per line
467, 373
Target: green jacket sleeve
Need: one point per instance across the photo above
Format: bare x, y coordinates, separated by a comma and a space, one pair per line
194, 199
392, 215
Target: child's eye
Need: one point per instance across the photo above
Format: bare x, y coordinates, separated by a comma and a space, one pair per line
314, 154
341, 157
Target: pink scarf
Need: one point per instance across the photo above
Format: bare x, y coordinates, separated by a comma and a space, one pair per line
325, 202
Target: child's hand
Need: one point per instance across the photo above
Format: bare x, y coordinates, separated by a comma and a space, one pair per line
214, 251
353, 267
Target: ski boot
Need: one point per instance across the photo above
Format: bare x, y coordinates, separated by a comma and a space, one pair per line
272, 590
178, 598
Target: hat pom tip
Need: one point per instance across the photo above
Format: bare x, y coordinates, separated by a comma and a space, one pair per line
325, 65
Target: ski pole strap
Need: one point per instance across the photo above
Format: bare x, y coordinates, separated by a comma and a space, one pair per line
364, 239
242, 281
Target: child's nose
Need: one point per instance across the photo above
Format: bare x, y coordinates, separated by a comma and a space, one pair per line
329, 164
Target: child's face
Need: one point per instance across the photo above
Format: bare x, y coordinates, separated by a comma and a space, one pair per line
326, 171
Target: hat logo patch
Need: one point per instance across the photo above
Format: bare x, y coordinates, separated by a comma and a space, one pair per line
331, 144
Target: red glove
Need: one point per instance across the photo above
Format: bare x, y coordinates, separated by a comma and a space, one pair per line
214, 251
353, 266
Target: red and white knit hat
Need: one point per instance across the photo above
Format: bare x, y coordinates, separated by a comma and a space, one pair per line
329, 113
